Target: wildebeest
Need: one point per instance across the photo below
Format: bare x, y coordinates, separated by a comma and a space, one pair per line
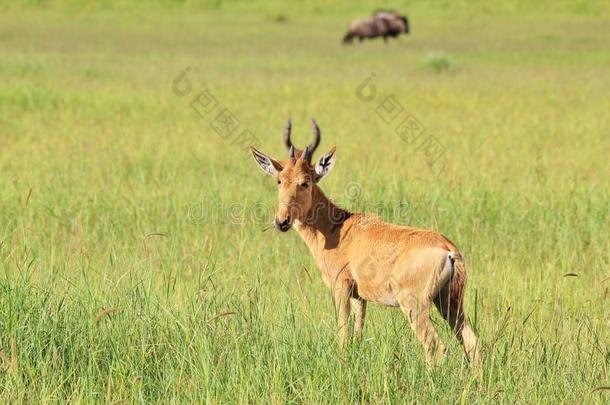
383, 23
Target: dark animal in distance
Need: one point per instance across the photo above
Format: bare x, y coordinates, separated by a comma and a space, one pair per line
383, 23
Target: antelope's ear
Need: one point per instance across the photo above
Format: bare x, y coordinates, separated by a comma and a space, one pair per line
270, 166
324, 165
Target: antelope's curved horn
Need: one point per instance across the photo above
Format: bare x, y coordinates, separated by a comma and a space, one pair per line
314, 142
306, 156
291, 153
287, 131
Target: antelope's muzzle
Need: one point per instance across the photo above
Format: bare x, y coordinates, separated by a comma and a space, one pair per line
283, 225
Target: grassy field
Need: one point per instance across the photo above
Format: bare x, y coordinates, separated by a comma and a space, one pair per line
134, 265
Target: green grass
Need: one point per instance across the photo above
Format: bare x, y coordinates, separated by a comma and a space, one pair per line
116, 195
438, 62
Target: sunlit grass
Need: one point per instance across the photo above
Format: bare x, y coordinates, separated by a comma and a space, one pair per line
134, 265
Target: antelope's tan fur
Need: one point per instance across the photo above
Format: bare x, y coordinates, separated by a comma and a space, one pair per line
363, 259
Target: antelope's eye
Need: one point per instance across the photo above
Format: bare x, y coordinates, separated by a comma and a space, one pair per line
304, 184
279, 182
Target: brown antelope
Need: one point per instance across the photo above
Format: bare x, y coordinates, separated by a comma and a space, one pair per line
364, 259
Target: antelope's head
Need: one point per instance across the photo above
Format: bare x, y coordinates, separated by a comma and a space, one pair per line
296, 177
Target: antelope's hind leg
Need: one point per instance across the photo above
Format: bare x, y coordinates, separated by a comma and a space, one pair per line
418, 313
450, 304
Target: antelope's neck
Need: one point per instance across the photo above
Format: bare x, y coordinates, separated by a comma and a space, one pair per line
322, 227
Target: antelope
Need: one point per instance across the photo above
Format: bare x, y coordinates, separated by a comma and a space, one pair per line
364, 259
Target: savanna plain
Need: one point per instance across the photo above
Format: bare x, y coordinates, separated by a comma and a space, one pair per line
137, 263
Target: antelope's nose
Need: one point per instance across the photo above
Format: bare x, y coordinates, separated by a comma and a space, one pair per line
283, 225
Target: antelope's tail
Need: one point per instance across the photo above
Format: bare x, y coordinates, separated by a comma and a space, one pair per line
457, 284
454, 310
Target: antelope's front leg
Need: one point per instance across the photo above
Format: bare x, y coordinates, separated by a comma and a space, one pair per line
359, 310
342, 293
